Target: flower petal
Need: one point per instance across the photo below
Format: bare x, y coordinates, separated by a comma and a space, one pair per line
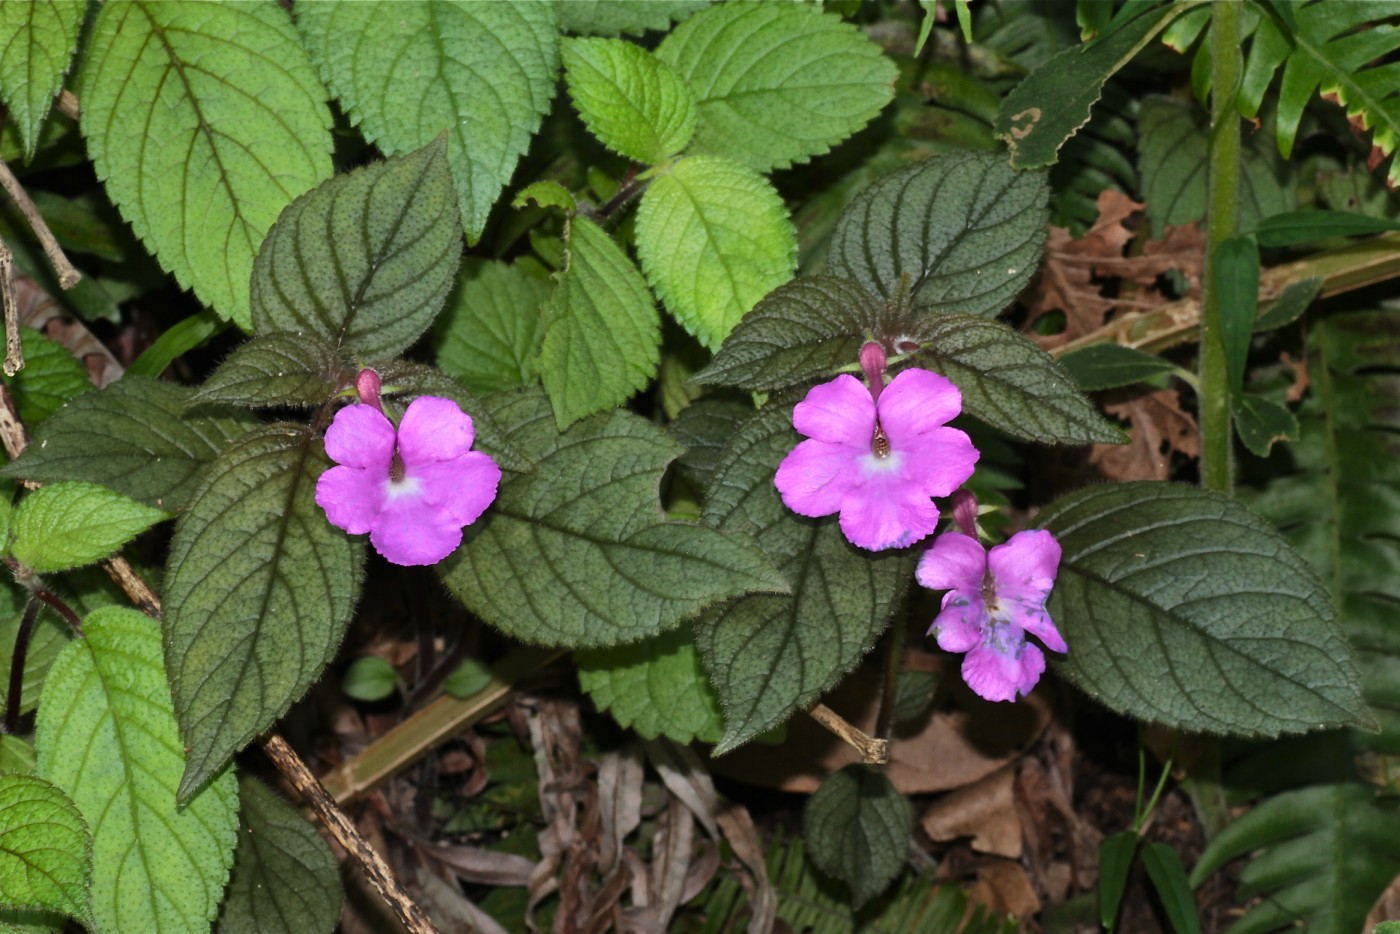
960, 625
839, 412
1000, 676
434, 429
937, 462
412, 531
883, 511
1024, 568
360, 436
916, 402
955, 562
351, 497
461, 488
816, 477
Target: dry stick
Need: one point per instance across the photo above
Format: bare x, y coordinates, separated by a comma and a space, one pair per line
67, 275
68, 105
872, 751
14, 356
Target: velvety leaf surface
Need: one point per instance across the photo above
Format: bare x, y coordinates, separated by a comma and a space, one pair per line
135, 437
482, 71
51, 376
285, 878
204, 122
656, 687
67, 525
602, 337
44, 848
273, 370
857, 827
777, 83
966, 229
106, 735
577, 552
259, 588
1182, 607
611, 17
768, 655
487, 335
713, 238
39, 39
366, 260
635, 103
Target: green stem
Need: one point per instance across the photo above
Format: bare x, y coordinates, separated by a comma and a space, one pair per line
1222, 216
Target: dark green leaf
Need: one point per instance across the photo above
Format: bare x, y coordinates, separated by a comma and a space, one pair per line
274, 370
656, 686
488, 335
804, 329
1260, 422
51, 376
364, 260
67, 525
1115, 859
1108, 366
258, 591
1237, 290
704, 429
632, 101
135, 437
285, 878
1183, 607
857, 827
44, 846
1169, 879
913, 696
578, 551
179, 339
769, 655
369, 678
964, 228
1303, 227
1290, 305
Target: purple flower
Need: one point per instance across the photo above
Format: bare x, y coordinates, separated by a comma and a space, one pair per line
877, 461
994, 598
412, 490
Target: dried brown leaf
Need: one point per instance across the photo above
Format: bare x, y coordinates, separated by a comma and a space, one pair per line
985, 811
1159, 428
472, 864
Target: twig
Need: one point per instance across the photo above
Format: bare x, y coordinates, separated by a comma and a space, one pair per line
12, 433
14, 356
872, 751
377, 871
67, 105
67, 275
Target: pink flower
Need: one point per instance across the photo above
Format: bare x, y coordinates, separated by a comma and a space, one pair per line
412, 490
994, 598
877, 461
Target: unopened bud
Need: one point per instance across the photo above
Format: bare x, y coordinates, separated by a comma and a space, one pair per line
965, 512
367, 385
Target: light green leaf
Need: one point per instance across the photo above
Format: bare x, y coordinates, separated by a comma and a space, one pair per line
259, 588
1108, 366
487, 336
135, 437
769, 655
106, 735
1182, 607
484, 72
602, 337
44, 848
177, 340
610, 17
40, 39
1261, 422
635, 103
16, 755
546, 193
777, 83
656, 687
67, 525
714, 238
285, 878
966, 229
274, 369
857, 827
369, 678
578, 551
204, 122
468, 678
51, 376
365, 260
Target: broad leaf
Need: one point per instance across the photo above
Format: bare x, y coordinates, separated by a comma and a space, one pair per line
285, 878
578, 552
635, 103
484, 72
51, 377
272, 370
857, 827
204, 122
106, 735
655, 686
68, 525
769, 655
1108, 366
40, 39
16, 755
964, 228
44, 846
705, 429
487, 336
602, 339
258, 591
1326, 854
1182, 607
369, 678
135, 437
714, 238
777, 83
366, 260
610, 17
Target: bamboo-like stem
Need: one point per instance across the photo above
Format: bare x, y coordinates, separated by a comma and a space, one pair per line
1222, 221
14, 354
67, 275
872, 751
